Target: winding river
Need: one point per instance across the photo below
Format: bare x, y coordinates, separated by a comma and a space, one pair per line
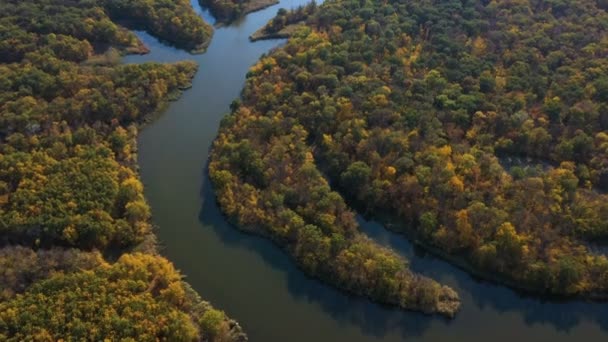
255, 282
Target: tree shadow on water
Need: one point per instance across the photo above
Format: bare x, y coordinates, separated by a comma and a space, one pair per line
479, 295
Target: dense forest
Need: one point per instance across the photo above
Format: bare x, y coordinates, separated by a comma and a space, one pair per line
476, 128
80, 296
267, 182
78, 259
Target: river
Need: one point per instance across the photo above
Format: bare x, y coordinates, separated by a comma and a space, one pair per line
255, 282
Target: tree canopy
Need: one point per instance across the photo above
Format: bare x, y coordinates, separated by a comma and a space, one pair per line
477, 128
138, 298
70, 194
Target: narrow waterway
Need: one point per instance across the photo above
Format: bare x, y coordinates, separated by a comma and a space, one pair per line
255, 282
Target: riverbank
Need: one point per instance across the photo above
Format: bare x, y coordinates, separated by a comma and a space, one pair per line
393, 224
286, 32
227, 11
448, 306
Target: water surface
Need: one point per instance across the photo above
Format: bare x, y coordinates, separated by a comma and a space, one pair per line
255, 282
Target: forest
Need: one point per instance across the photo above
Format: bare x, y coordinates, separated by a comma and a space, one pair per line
475, 128
78, 259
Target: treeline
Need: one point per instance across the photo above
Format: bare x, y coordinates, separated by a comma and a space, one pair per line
226, 11
286, 23
69, 190
285, 17
171, 20
408, 108
75, 21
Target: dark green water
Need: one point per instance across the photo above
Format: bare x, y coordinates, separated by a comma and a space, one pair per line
255, 282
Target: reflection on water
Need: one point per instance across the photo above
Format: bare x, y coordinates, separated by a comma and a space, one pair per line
255, 282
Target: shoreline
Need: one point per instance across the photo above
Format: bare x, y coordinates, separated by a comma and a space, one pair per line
284, 33
251, 7
447, 310
464, 265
